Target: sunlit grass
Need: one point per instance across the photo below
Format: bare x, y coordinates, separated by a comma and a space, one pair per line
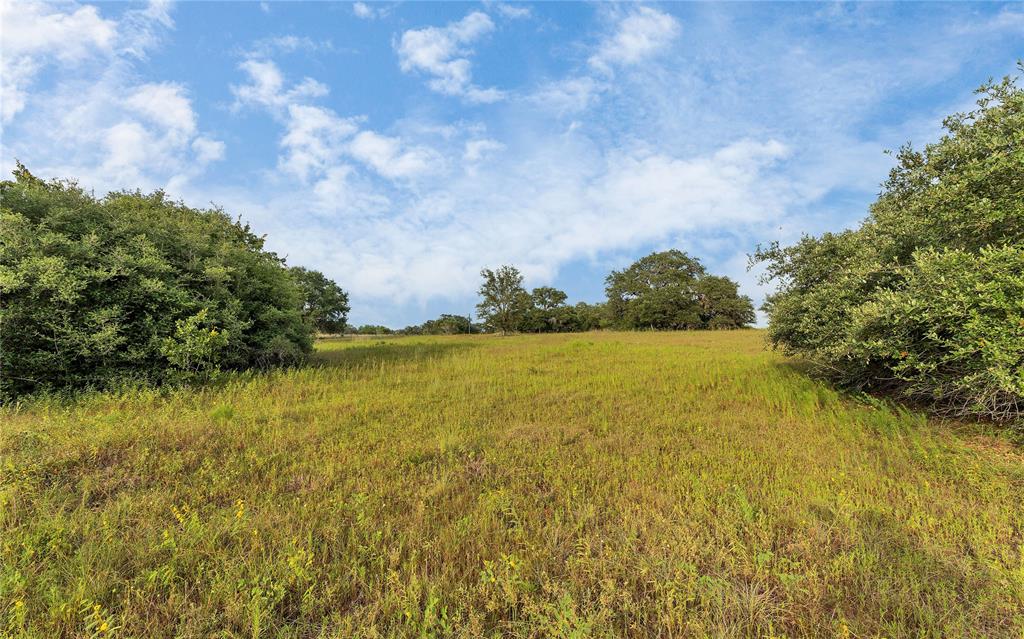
606, 485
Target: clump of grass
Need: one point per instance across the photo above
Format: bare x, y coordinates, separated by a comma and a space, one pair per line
222, 413
603, 485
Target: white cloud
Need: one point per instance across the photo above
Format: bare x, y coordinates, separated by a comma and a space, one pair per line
316, 138
442, 53
638, 35
564, 200
208, 150
266, 87
477, 149
513, 11
390, 157
127, 144
569, 95
142, 29
33, 28
363, 10
290, 43
98, 123
164, 104
371, 10
341, 192
313, 141
1009, 20
35, 35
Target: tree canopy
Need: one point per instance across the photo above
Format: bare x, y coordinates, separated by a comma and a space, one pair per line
672, 290
504, 302
446, 324
926, 298
324, 304
665, 291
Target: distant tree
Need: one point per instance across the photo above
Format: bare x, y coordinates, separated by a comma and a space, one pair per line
655, 292
547, 298
373, 329
671, 290
589, 317
447, 325
547, 310
504, 302
324, 304
721, 305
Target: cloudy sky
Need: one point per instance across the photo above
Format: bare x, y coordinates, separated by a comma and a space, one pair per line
401, 147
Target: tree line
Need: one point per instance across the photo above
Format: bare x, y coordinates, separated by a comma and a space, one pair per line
667, 290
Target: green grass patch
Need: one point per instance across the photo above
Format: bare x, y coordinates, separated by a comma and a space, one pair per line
593, 485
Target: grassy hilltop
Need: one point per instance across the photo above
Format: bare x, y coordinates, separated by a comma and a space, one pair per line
592, 485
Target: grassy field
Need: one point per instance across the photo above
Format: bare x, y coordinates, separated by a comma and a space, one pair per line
595, 485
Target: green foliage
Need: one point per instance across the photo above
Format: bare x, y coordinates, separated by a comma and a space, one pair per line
671, 290
504, 302
668, 290
721, 305
195, 349
444, 325
370, 329
542, 310
547, 312
953, 334
93, 289
925, 299
547, 298
590, 317
324, 305
448, 325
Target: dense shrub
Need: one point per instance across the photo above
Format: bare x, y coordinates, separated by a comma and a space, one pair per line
926, 298
131, 287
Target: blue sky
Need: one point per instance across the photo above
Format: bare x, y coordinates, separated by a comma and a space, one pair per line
402, 147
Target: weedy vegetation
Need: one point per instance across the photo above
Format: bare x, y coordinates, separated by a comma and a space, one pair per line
557, 485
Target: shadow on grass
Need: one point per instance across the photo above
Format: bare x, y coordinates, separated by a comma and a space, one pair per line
387, 351
887, 399
877, 398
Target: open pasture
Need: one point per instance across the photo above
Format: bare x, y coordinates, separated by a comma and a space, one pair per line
574, 485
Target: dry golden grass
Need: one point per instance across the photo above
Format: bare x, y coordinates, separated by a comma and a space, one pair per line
595, 485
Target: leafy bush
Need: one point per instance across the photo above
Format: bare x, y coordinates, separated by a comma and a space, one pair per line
954, 334
926, 298
195, 349
98, 292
